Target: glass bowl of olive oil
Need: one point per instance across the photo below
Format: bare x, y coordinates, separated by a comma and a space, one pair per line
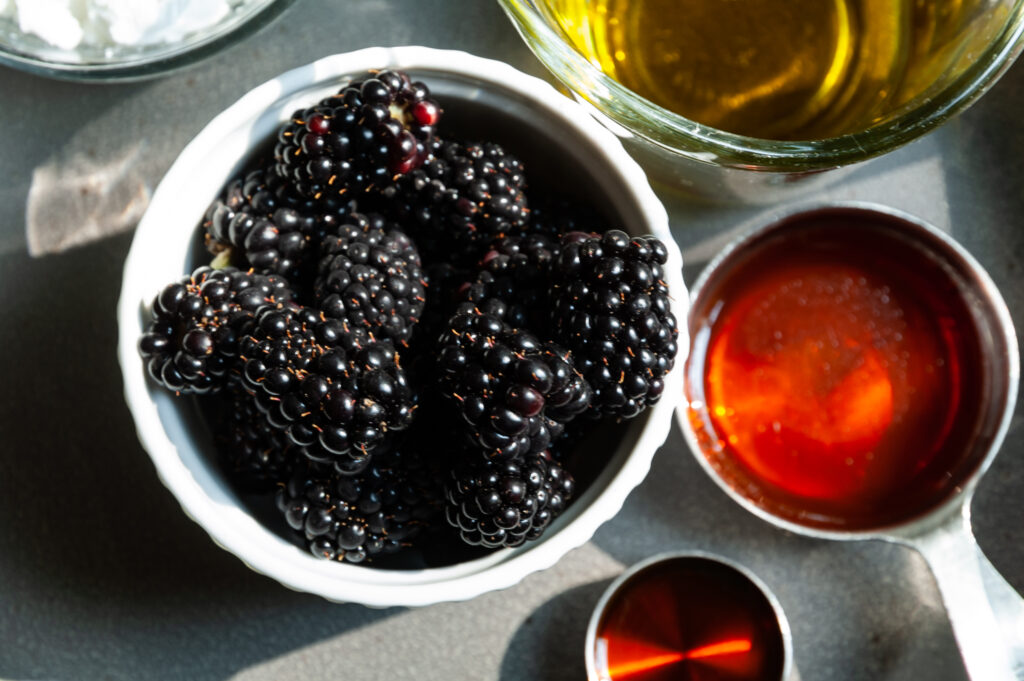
749, 98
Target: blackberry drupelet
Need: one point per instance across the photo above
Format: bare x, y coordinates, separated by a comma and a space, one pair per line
356, 518
463, 198
515, 271
370, 276
514, 392
505, 503
326, 384
559, 486
191, 344
611, 308
363, 137
273, 230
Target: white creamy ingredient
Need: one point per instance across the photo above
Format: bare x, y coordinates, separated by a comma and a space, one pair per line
67, 24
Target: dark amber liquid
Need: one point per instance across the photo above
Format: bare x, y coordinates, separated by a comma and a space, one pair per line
692, 619
836, 377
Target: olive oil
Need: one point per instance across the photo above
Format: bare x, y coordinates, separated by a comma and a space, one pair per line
776, 69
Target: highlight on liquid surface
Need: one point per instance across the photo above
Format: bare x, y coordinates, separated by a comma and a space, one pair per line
777, 69
835, 378
689, 618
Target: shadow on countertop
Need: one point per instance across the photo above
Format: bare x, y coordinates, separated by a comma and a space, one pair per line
549, 645
989, 137
101, 574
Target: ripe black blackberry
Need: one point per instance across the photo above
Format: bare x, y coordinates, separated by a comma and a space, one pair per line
257, 454
364, 136
254, 453
463, 198
611, 308
324, 383
515, 271
357, 518
505, 503
268, 227
191, 344
370, 276
514, 392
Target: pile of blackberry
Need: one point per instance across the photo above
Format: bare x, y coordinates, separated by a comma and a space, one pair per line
401, 341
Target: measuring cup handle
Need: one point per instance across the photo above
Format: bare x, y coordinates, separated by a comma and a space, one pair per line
987, 614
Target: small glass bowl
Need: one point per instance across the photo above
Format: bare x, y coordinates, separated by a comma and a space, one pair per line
30, 53
701, 160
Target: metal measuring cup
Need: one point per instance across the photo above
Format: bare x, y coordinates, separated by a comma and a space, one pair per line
596, 657
986, 613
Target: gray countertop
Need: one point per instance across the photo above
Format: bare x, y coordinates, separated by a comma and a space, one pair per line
103, 577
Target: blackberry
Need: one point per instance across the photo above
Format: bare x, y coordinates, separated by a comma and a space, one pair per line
371, 277
611, 308
514, 392
505, 503
257, 453
357, 518
253, 452
324, 383
515, 271
368, 133
463, 198
260, 218
191, 344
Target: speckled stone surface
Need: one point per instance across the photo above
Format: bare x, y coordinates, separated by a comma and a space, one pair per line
103, 577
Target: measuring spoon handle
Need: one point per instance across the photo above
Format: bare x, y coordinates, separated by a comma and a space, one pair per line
987, 614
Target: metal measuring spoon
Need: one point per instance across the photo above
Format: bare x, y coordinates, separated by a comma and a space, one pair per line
986, 613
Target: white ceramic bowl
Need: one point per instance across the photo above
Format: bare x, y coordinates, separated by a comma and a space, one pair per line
558, 143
